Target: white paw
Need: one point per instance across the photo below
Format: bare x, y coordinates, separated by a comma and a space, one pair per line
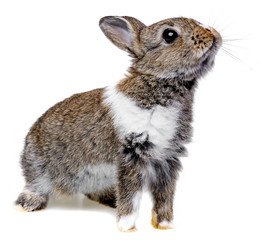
127, 223
166, 225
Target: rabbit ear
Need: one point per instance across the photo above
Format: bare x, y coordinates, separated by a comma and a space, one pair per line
123, 32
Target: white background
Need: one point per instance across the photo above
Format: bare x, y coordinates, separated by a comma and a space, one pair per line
52, 49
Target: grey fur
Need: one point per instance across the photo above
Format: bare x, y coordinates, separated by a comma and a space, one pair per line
75, 147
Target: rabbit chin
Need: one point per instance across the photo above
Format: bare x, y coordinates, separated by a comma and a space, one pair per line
200, 70
188, 74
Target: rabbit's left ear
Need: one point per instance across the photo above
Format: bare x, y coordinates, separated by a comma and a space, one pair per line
123, 32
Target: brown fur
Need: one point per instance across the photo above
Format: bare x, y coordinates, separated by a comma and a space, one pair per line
76, 146
70, 134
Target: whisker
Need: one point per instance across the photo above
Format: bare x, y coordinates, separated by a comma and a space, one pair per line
208, 24
232, 45
227, 39
228, 53
224, 28
229, 50
232, 40
213, 25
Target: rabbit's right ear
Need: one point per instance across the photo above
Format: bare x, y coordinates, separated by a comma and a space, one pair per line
123, 32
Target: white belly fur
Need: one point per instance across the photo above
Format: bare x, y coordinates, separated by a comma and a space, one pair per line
96, 178
159, 122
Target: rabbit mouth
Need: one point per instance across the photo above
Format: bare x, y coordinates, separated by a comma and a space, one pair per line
207, 60
209, 55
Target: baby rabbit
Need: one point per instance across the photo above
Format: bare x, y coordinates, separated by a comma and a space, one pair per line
112, 143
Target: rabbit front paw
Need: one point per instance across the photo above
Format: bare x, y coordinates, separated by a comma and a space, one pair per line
137, 143
127, 223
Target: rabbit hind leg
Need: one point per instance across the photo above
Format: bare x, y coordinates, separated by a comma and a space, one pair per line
35, 194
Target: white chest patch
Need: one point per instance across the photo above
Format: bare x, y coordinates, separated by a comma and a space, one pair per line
159, 122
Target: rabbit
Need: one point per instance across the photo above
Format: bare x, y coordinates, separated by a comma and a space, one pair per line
113, 143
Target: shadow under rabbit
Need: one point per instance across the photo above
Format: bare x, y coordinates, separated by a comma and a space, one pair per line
78, 202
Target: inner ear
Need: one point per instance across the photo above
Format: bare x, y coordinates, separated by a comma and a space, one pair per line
119, 31
122, 32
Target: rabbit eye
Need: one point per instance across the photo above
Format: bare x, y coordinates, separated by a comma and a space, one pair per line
169, 35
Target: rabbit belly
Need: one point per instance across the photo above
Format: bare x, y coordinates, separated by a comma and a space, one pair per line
95, 178
160, 123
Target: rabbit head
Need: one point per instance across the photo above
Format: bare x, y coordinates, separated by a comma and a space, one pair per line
178, 48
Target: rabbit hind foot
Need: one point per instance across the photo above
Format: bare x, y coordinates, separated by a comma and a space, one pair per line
29, 201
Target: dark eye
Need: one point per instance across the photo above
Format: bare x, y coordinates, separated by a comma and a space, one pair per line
169, 35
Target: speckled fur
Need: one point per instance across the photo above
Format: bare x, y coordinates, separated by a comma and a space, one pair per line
66, 139
81, 146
